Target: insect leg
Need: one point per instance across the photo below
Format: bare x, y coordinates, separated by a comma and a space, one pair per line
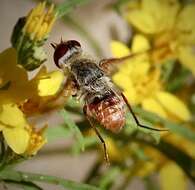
135, 118
98, 134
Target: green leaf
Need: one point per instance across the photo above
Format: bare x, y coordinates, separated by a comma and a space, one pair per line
67, 6
167, 69
73, 128
118, 4
150, 183
26, 187
131, 127
19, 176
73, 103
174, 127
54, 133
88, 141
178, 81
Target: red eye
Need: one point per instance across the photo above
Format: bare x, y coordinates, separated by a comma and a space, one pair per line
60, 51
71, 47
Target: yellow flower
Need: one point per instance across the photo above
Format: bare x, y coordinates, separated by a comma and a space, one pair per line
182, 143
170, 26
151, 16
19, 87
39, 22
14, 128
167, 177
37, 140
48, 83
51, 93
18, 134
30, 34
15, 90
141, 84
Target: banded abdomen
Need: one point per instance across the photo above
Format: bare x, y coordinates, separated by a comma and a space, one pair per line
109, 112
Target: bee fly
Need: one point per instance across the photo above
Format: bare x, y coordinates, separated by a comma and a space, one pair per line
88, 78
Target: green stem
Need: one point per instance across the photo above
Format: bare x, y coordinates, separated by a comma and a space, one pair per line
93, 172
67, 6
21, 177
172, 126
24, 183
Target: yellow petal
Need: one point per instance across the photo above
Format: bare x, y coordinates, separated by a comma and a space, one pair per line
50, 83
141, 20
182, 143
186, 25
146, 168
37, 140
168, 174
173, 105
140, 66
11, 115
17, 139
19, 86
113, 151
186, 55
152, 105
151, 16
140, 43
119, 49
122, 80
9, 68
2, 127
131, 96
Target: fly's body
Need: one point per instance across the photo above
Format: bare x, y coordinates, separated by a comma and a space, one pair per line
103, 101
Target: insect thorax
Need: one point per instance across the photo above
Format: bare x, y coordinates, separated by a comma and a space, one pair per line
90, 78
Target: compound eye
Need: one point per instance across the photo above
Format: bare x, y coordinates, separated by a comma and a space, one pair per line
60, 51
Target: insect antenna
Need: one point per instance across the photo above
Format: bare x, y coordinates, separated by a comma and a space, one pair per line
61, 40
106, 157
54, 45
135, 118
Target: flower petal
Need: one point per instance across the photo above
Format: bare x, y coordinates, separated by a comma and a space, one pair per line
50, 83
124, 81
130, 94
12, 116
173, 105
2, 127
119, 49
140, 43
186, 25
151, 16
17, 139
152, 105
168, 174
186, 55
19, 87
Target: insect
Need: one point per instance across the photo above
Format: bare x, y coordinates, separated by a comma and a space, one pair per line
89, 81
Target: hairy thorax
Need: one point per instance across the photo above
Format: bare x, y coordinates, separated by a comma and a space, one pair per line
90, 78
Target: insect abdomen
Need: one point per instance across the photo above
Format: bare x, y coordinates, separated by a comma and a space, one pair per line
109, 112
